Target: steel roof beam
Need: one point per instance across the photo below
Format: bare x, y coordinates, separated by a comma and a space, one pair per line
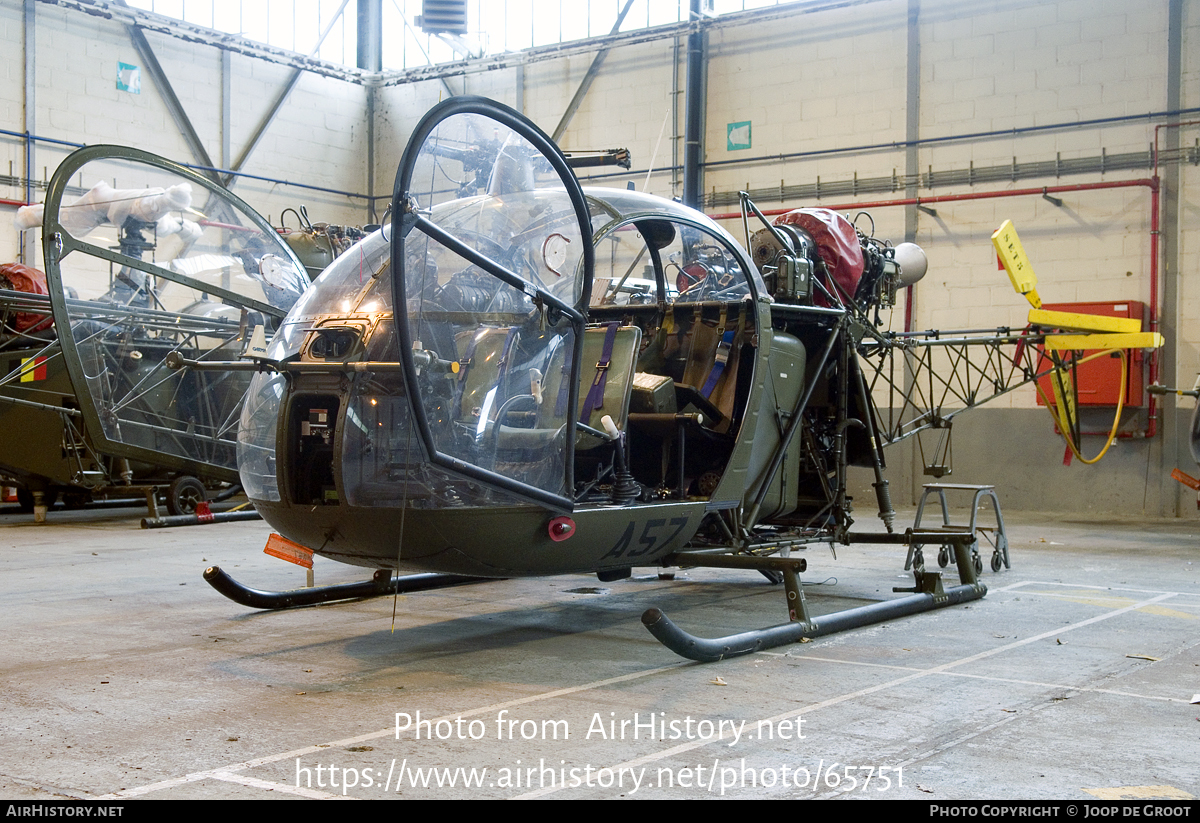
183, 30
586, 82
182, 122
232, 42
280, 99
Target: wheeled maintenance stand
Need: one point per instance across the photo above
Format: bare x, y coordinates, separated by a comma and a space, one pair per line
999, 542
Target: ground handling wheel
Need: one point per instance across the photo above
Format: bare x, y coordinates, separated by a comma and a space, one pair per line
184, 494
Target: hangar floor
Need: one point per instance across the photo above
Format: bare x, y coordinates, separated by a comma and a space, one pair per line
124, 674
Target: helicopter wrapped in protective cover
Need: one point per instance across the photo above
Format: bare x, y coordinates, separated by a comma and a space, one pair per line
168, 262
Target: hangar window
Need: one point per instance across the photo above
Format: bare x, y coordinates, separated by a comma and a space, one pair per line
327, 29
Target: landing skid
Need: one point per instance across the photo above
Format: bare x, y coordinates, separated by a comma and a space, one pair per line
928, 594
381, 585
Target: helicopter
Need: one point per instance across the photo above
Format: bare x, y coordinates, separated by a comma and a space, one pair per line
168, 261
517, 376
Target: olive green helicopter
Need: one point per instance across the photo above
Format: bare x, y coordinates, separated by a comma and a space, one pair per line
517, 376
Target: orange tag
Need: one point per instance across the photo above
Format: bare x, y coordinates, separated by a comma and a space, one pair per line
284, 549
1186, 479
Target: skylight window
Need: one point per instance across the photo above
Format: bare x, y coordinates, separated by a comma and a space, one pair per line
494, 26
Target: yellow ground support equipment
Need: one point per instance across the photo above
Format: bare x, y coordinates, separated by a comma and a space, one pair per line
1083, 332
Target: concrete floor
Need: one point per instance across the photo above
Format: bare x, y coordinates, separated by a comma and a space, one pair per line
123, 673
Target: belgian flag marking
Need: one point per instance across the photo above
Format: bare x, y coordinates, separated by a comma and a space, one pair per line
33, 368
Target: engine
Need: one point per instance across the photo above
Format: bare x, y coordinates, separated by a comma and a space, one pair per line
319, 244
818, 257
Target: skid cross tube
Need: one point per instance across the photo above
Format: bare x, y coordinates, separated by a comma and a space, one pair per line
199, 519
380, 585
928, 595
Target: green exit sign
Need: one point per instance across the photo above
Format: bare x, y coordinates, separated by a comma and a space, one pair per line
737, 135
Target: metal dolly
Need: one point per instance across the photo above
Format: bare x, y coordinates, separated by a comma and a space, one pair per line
999, 543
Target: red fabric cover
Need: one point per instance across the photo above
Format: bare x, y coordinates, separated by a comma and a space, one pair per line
837, 243
30, 281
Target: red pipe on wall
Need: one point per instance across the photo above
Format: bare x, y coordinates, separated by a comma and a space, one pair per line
953, 198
